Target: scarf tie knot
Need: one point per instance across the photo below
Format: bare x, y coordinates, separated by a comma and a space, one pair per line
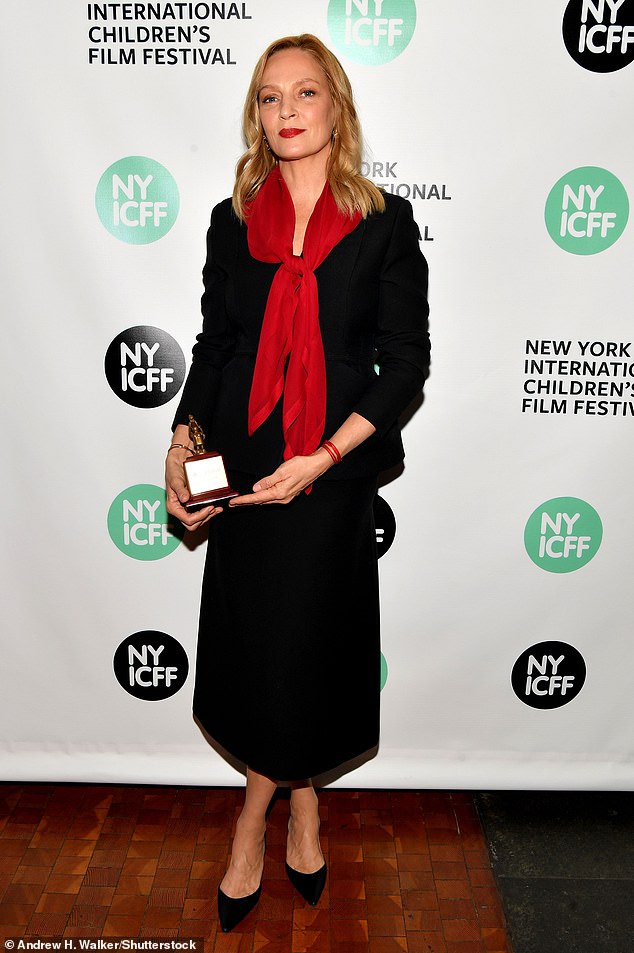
295, 266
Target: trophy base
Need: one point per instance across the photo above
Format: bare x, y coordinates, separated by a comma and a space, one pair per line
213, 496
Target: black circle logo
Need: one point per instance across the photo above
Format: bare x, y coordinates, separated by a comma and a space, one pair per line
151, 665
385, 524
548, 675
145, 366
599, 34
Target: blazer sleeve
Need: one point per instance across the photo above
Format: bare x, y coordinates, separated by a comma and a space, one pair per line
215, 344
402, 338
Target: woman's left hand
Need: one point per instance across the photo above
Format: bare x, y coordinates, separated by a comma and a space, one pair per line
287, 481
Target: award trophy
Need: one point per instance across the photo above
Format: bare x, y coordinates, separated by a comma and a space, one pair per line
205, 473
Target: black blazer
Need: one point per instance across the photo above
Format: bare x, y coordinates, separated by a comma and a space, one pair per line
372, 310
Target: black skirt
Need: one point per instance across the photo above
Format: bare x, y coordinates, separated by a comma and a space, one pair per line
288, 659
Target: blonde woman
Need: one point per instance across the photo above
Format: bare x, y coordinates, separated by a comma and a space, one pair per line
313, 277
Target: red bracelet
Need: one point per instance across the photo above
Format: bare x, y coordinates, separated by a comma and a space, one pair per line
330, 448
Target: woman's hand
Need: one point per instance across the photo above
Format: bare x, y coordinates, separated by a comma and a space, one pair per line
287, 481
296, 474
177, 493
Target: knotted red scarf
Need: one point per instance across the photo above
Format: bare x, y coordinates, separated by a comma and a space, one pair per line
291, 321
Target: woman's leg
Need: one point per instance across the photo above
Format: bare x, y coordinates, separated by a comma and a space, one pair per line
244, 873
303, 850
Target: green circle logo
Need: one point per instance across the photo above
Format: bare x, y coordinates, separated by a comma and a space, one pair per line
139, 524
384, 671
137, 200
372, 32
586, 210
563, 534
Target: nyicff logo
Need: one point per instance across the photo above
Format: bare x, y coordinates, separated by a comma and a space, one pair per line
372, 32
151, 665
144, 366
139, 524
548, 675
137, 200
563, 534
586, 210
385, 525
384, 671
599, 34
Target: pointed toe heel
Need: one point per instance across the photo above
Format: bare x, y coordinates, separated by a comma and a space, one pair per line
310, 886
232, 910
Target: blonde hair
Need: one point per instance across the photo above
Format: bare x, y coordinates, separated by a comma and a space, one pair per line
351, 190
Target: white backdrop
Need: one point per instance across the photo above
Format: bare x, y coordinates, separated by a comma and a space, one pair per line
482, 109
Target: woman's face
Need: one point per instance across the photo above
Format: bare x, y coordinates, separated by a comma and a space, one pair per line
296, 108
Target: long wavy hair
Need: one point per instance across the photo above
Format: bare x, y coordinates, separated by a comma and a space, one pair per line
351, 190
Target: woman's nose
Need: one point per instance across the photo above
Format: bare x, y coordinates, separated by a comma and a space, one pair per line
287, 109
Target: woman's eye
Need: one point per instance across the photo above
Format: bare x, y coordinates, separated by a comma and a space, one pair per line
267, 99
307, 93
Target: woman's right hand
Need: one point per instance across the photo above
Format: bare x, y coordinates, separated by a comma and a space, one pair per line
176, 488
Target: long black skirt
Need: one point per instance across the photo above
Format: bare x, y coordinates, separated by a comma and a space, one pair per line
288, 660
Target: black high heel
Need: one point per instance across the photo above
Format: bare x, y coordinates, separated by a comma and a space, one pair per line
310, 886
231, 910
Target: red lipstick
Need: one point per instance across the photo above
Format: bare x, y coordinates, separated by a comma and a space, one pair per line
290, 133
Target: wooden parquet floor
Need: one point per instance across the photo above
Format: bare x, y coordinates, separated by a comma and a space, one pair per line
408, 870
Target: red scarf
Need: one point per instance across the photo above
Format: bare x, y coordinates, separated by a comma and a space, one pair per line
290, 328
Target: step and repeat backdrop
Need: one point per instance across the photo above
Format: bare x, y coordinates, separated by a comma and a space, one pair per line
506, 544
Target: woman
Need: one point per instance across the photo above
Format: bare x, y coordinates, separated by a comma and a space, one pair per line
312, 277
